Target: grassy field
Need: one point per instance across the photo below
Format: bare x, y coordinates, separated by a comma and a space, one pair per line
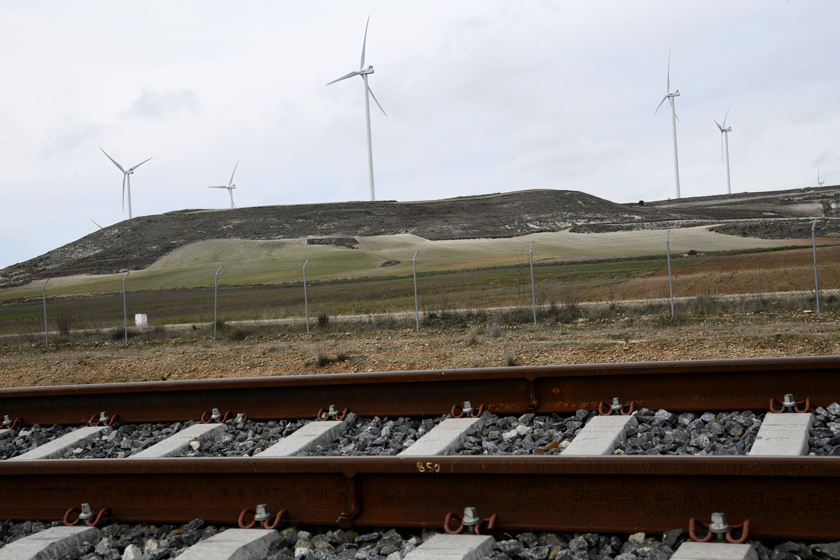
260, 262
558, 283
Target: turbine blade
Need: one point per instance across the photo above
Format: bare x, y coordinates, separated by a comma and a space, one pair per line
97, 225
362, 63
377, 102
350, 75
139, 164
724, 118
222, 187
668, 86
124, 178
718, 125
112, 159
234, 172
660, 104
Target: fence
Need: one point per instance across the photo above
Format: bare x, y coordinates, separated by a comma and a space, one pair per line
677, 273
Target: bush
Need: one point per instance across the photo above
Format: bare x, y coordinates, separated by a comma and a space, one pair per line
238, 334
323, 320
62, 319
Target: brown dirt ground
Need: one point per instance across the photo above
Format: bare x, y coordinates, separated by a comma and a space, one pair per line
762, 335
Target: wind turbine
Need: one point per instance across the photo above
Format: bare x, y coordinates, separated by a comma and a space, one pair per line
126, 179
670, 97
230, 186
819, 183
364, 72
97, 225
724, 148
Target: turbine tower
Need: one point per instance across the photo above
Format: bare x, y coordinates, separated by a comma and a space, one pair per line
819, 183
364, 72
230, 186
126, 180
724, 148
670, 97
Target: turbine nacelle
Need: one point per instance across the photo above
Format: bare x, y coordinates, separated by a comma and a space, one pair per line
366, 71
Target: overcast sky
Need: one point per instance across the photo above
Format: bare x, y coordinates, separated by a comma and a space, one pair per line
482, 96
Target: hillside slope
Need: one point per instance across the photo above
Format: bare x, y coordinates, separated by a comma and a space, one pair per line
137, 243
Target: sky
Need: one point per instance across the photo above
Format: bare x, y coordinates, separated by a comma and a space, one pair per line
481, 96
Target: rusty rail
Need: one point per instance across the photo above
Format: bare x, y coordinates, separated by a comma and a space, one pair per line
791, 498
695, 385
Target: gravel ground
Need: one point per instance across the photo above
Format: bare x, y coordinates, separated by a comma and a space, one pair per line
28, 438
124, 440
159, 542
626, 339
825, 433
377, 436
523, 435
663, 433
248, 438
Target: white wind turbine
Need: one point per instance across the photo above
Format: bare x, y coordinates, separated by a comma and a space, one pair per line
126, 179
230, 186
670, 97
364, 72
724, 148
819, 183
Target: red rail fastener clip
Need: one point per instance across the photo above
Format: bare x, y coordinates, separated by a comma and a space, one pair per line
491, 523
616, 407
790, 405
331, 414
215, 416
9, 424
719, 527
103, 420
459, 411
91, 518
262, 516
470, 520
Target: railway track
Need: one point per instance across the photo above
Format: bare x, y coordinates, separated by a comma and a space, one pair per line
545, 488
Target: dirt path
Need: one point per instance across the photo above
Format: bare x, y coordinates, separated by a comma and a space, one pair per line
599, 342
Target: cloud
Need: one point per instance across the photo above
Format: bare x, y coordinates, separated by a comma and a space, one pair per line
570, 158
158, 105
75, 131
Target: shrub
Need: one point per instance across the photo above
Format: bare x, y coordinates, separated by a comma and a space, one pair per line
323, 320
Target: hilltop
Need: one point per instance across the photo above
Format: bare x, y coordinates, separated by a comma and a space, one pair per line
137, 243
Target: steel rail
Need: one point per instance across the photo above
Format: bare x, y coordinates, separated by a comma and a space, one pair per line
785, 498
716, 385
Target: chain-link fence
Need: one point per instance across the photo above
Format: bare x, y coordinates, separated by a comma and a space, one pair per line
667, 273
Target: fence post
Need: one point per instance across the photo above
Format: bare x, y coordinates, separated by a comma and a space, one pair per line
216, 303
46, 328
305, 298
533, 293
670, 280
816, 278
416, 306
125, 311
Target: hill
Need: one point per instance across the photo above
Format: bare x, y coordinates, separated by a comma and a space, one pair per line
137, 243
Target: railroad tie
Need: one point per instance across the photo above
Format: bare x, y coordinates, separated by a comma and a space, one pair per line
6, 432
453, 547
55, 449
601, 435
178, 443
55, 542
783, 434
443, 438
304, 439
239, 544
715, 551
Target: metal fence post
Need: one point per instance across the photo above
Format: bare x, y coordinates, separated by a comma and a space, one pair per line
125, 311
416, 306
533, 293
305, 298
216, 303
670, 280
816, 278
46, 328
